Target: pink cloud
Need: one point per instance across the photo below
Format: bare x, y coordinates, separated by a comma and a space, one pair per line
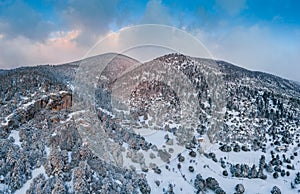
59, 48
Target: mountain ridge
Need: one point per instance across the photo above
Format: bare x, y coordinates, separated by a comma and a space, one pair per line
253, 120
222, 62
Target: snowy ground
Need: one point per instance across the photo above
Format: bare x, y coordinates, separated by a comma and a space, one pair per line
252, 186
15, 135
183, 179
35, 173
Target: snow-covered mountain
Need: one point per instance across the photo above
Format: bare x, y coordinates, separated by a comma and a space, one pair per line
176, 124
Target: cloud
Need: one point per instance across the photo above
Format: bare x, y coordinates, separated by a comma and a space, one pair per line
156, 13
256, 48
93, 18
30, 35
58, 31
22, 51
31, 20
232, 7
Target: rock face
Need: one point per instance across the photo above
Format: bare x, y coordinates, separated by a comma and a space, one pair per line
63, 101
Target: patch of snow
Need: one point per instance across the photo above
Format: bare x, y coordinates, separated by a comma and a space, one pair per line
69, 157
206, 104
7, 120
70, 86
41, 89
28, 104
71, 115
32, 95
35, 173
48, 150
70, 184
118, 182
156, 137
207, 168
169, 177
3, 187
63, 92
24, 97
15, 134
107, 112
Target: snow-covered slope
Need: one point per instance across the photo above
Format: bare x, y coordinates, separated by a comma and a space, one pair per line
175, 124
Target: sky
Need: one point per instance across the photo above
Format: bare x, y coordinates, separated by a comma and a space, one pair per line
261, 35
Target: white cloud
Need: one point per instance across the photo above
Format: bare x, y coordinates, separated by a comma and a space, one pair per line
156, 13
93, 18
22, 51
232, 7
255, 48
27, 38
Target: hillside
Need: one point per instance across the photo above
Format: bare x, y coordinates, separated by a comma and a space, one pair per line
176, 124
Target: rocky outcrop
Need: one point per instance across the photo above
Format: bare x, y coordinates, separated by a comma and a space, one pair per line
61, 101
